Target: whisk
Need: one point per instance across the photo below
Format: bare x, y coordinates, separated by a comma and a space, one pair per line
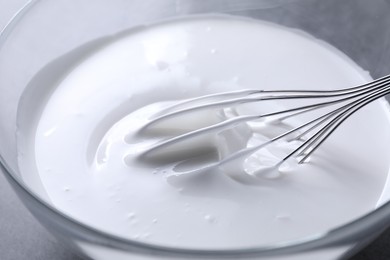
341, 105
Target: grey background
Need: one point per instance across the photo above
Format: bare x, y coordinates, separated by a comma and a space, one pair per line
22, 238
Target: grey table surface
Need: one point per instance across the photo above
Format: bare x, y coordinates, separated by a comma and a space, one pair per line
22, 237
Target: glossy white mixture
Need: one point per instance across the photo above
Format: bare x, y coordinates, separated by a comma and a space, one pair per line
84, 142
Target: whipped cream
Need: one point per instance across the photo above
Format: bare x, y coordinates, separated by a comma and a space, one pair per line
82, 141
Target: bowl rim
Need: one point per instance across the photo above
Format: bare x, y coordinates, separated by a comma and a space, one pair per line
346, 235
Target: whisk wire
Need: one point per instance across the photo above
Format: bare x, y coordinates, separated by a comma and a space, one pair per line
348, 101
317, 139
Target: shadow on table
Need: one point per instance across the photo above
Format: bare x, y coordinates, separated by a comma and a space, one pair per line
378, 250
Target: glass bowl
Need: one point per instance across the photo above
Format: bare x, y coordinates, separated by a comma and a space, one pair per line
45, 30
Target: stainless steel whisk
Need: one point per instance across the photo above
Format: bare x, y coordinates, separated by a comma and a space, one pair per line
342, 103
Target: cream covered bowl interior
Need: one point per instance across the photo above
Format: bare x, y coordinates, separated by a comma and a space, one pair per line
81, 80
